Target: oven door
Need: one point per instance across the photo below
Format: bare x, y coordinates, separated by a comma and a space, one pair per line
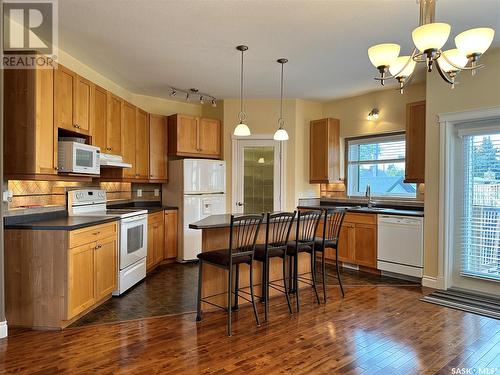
133, 240
86, 159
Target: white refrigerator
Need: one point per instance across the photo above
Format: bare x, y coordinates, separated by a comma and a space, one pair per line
198, 188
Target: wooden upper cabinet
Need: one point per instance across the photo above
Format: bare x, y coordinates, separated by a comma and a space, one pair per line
193, 136
324, 151
142, 144
129, 139
158, 148
209, 137
99, 118
82, 105
415, 142
114, 125
30, 138
64, 87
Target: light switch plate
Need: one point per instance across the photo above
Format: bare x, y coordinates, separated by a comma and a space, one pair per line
7, 196
139, 193
157, 192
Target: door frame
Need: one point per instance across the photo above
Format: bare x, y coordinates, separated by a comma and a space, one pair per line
235, 140
446, 248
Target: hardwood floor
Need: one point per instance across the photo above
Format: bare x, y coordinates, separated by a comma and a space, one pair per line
381, 329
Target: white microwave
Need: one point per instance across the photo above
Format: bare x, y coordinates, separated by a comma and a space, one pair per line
75, 157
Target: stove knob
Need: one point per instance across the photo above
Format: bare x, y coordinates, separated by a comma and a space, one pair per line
79, 195
101, 194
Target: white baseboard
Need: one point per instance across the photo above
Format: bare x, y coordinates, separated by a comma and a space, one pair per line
3, 329
433, 282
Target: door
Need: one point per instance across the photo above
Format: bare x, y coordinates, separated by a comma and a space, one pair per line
257, 176
129, 139
64, 86
157, 147
187, 134
142, 145
99, 118
114, 125
80, 279
209, 137
106, 267
81, 105
170, 249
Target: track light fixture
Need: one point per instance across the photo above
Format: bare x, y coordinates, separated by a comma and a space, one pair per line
195, 94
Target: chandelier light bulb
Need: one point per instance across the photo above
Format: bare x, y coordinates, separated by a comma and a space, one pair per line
474, 41
396, 68
382, 55
431, 36
201, 100
456, 57
214, 103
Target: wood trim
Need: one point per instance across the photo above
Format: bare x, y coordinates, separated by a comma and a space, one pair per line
49, 177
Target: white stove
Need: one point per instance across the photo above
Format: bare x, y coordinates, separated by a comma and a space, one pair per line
132, 241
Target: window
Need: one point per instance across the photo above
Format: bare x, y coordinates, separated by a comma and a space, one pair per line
480, 205
378, 161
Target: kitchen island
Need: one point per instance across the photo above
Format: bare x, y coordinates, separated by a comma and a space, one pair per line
215, 236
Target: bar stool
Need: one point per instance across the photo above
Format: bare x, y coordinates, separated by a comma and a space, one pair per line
243, 232
307, 225
334, 218
275, 247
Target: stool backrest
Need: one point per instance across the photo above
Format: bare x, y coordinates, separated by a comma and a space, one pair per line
243, 234
307, 224
334, 217
281, 225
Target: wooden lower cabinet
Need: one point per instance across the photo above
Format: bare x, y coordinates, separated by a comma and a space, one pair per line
156, 240
171, 226
73, 276
357, 240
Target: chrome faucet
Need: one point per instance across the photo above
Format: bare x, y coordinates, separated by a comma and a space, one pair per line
368, 194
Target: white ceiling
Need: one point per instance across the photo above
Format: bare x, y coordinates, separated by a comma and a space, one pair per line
147, 45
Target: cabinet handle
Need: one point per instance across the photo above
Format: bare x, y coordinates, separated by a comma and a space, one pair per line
56, 168
77, 126
98, 247
96, 233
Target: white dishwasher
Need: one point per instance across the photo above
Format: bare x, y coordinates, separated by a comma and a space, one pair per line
400, 245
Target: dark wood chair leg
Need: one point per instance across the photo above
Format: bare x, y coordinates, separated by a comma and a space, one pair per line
338, 271
323, 273
253, 297
229, 299
198, 305
285, 286
313, 260
236, 288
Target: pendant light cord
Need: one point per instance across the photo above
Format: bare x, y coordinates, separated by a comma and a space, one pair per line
281, 100
241, 85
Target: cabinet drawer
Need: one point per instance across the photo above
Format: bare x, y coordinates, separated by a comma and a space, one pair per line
91, 234
360, 218
155, 218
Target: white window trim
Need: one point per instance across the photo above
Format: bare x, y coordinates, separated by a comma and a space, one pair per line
368, 140
448, 123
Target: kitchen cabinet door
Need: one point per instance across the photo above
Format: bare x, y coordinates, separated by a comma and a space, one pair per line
415, 142
142, 145
209, 134
150, 258
365, 245
99, 118
324, 146
183, 135
346, 253
114, 125
159, 241
170, 234
80, 279
129, 139
64, 89
157, 148
82, 105
106, 267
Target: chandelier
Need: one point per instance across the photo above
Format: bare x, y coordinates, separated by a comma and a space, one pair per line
429, 38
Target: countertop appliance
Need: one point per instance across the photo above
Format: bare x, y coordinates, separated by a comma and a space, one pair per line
133, 232
400, 245
198, 188
76, 157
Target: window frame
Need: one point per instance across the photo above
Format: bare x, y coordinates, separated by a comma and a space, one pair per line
346, 164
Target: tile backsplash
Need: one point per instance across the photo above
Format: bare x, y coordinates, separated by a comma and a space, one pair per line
338, 190
52, 194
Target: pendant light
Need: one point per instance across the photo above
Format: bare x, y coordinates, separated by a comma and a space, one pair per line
281, 134
242, 129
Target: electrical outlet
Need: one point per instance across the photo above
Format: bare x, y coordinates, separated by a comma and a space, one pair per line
157, 192
7, 196
139, 193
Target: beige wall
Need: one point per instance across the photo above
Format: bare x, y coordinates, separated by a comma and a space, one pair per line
150, 104
482, 90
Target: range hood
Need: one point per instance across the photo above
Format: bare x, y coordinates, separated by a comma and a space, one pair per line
113, 161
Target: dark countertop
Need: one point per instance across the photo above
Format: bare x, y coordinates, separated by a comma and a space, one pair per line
55, 221
150, 206
212, 221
